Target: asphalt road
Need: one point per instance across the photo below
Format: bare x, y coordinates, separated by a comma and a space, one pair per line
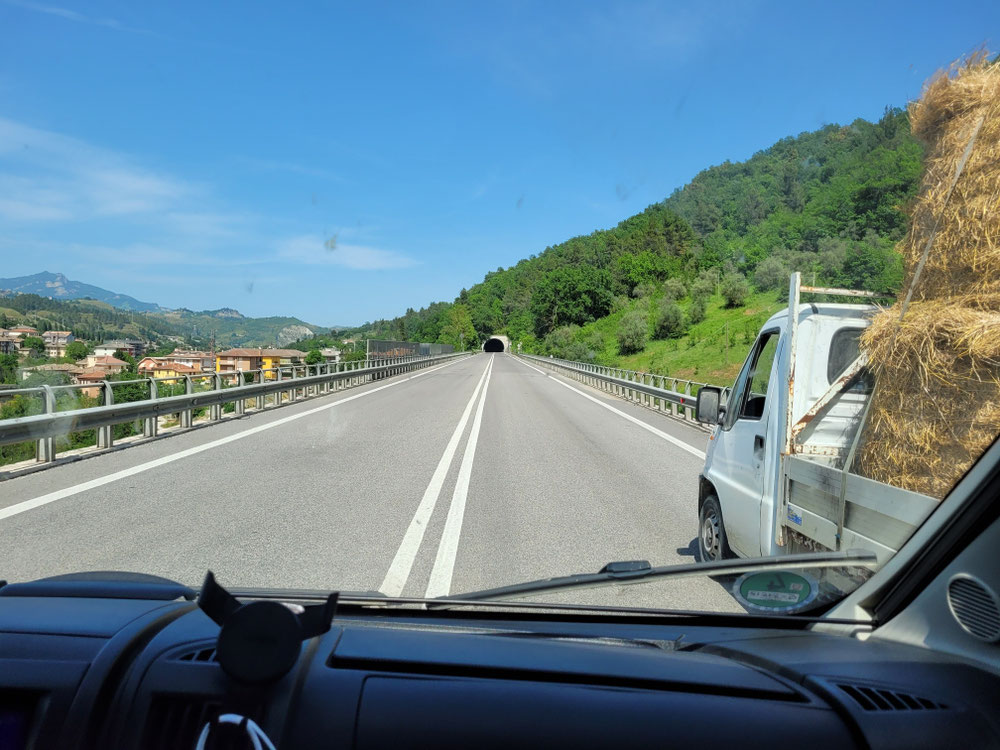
483, 472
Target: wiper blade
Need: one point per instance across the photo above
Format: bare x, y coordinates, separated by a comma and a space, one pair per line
640, 571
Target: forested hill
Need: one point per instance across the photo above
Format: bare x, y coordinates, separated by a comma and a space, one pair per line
827, 203
94, 320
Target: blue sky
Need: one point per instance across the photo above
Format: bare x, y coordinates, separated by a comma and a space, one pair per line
344, 162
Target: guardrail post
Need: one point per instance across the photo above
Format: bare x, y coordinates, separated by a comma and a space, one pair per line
106, 435
47, 446
259, 378
187, 415
292, 392
689, 411
216, 410
150, 424
240, 405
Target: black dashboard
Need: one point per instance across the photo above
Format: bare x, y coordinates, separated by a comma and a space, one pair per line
139, 669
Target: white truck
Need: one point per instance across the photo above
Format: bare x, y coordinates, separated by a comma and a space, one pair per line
777, 474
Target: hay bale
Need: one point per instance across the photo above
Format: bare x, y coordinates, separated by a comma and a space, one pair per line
936, 405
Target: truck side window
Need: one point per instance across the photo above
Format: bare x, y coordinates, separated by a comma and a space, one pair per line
844, 349
749, 399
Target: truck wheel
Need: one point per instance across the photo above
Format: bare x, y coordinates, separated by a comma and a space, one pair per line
712, 544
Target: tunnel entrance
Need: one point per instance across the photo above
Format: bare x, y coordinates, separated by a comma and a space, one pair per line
493, 345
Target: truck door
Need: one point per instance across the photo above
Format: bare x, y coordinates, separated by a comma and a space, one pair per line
739, 459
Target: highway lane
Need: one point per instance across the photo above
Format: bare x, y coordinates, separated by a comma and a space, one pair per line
482, 473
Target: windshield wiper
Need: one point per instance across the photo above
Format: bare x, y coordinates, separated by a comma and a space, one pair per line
640, 571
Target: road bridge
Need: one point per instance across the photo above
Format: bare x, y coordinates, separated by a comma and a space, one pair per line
475, 472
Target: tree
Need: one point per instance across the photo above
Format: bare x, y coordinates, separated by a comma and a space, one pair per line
458, 329
771, 274
632, 333
645, 289
703, 289
570, 295
559, 342
34, 344
77, 349
161, 351
670, 322
674, 289
872, 264
8, 368
698, 309
314, 357
735, 289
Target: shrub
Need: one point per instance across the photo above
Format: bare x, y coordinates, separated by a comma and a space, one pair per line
619, 303
632, 333
645, 289
771, 274
674, 289
670, 322
580, 352
702, 288
735, 289
560, 340
698, 310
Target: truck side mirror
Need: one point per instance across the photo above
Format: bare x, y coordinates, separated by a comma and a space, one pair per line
707, 409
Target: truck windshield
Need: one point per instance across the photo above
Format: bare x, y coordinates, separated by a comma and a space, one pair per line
420, 298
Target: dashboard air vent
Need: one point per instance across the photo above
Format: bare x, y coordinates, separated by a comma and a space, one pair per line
975, 607
176, 721
200, 654
883, 699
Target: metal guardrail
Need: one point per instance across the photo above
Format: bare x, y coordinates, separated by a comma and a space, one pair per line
660, 392
284, 384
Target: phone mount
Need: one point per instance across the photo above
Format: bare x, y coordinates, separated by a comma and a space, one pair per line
259, 642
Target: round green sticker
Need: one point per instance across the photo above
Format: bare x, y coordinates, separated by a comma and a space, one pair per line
777, 591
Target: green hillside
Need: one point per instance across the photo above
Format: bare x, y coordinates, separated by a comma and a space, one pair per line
95, 321
827, 203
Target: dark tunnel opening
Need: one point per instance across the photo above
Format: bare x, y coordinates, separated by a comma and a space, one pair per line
493, 345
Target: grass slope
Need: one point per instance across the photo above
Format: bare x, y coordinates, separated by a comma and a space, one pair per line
702, 354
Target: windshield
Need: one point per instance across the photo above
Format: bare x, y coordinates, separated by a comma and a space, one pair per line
419, 299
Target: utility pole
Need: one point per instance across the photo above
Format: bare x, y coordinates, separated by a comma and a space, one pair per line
727, 342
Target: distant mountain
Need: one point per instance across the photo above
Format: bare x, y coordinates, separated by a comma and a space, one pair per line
57, 286
50, 300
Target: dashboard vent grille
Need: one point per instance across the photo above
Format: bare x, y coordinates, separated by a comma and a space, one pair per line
177, 720
883, 699
201, 654
975, 607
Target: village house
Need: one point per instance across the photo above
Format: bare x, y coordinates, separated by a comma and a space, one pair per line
55, 343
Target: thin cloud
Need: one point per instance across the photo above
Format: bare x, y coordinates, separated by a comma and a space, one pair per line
75, 16
57, 177
277, 165
313, 250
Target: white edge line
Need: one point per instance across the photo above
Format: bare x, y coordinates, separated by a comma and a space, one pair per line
76, 489
444, 563
406, 555
648, 427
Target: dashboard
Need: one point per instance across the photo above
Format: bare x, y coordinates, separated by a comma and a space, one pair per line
118, 665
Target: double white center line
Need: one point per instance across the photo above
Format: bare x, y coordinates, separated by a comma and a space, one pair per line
444, 563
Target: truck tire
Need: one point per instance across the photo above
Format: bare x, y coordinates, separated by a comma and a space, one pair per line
712, 543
